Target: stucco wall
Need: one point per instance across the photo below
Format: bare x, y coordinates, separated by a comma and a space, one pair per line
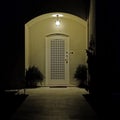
91, 22
38, 28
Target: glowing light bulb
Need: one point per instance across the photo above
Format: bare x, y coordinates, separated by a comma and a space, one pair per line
57, 22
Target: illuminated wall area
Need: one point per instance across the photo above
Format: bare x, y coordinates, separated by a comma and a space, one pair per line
38, 28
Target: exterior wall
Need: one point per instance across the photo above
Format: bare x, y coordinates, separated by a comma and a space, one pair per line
40, 27
91, 21
91, 52
26, 48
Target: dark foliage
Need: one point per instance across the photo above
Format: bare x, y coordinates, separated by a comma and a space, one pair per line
81, 75
33, 75
81, 72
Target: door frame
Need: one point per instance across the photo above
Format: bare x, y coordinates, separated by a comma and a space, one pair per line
48, 37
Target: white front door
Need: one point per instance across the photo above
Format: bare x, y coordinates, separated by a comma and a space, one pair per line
57, 60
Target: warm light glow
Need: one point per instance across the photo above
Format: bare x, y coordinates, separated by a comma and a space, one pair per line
57, 22
55, 15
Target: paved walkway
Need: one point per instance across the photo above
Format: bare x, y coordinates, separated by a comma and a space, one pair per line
55, 104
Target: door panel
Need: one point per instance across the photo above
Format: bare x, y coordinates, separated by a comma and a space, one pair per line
57, 60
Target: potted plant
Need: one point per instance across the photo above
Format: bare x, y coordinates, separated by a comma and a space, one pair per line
81, 75
33, 76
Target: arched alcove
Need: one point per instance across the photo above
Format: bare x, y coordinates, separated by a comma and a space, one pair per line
36, 31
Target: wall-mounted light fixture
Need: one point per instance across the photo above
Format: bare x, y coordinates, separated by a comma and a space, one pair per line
57, 21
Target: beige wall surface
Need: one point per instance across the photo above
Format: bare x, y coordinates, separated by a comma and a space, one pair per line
38, 28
